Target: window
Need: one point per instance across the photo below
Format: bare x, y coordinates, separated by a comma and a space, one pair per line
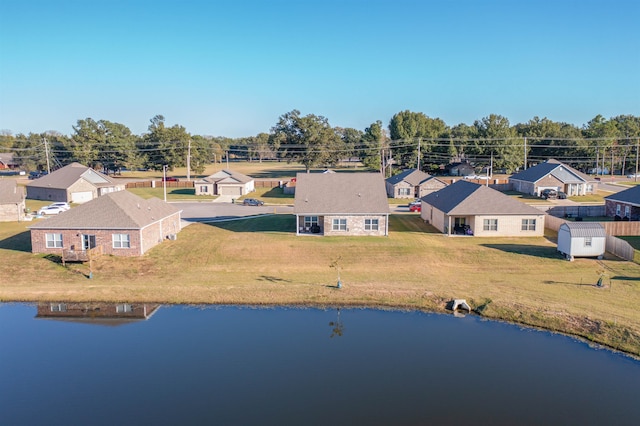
339, 225
54, 240
404, 191
310, 221
627, 211
204, 188
58, 307
371, 224
587, 241
121, 241
124, 308
490, 225
528, 224
618, 209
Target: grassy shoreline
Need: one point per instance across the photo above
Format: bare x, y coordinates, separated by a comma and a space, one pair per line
261, 262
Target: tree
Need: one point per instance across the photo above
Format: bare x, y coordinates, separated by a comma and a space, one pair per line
549, 139
414, 132
309, 140
351, 138
201, 153
374, 141
165, 145
497, 139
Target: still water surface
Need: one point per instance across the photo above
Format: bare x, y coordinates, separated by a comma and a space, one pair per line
286, 366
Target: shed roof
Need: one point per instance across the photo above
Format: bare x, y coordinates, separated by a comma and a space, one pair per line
584, 229
117, 210
468, 198
340, 193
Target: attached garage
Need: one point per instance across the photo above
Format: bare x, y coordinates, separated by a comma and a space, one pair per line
81, 197
230, 190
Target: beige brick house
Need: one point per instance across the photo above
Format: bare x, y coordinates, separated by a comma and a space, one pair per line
225, 182
552, 174
341, 204
466, 208
73, 183
11, 201
412, 183
120, 224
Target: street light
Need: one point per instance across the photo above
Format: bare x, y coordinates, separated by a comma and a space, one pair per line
164, 182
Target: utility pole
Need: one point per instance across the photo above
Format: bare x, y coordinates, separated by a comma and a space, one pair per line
419, 140
490, 168
189, 160
227, 160
164, 182
525, 153
46, 152
637, 157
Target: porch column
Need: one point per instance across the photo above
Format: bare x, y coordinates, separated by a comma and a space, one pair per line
449, 226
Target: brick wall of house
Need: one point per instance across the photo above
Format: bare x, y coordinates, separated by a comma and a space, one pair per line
155, 233
549, 182
355, 225
72, 240
393, 191
611, 209
430, 186
47, 194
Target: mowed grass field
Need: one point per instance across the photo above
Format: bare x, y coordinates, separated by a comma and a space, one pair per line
261, 261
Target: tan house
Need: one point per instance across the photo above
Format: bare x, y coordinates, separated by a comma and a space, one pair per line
341, 204
552, 174
73, 183
225, 182
120, 224
11, 201
412, 183
466, 208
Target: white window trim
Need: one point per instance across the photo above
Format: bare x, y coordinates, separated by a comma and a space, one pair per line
120, 241
53, 241
336, 224
373, 225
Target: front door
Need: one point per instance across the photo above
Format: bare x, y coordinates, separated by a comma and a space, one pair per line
88, 242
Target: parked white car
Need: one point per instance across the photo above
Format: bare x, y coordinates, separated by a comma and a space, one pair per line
63, 206
50, 210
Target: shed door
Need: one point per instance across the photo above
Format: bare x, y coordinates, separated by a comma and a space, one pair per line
81, 197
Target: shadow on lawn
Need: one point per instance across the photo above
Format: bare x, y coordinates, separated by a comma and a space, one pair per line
527, 250
17, 242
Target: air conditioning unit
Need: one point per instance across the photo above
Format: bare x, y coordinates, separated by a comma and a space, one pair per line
172, 236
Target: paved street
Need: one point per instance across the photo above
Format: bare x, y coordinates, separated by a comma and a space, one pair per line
210, 211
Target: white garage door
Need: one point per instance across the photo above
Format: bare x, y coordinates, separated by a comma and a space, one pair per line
230, 190
81, 197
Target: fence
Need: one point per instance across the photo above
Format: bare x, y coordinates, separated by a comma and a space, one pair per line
573, 211
268, 183
159, 184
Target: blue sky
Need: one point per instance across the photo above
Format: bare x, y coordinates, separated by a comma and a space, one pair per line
231, 68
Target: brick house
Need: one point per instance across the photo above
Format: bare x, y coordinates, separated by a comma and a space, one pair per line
552, 174
341, 204
7, 161
99, 313
624, 204
74, 183
412, 183
11, 201
120, 224
466, 208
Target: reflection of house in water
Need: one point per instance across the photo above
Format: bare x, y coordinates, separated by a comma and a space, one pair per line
97, 313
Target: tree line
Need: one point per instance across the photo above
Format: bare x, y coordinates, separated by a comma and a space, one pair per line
411, 140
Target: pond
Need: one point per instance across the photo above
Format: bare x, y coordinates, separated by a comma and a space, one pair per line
135, 364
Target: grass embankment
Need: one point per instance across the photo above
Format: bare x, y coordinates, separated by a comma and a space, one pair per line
261, 261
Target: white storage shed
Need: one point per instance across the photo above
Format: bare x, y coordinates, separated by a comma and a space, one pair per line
581, 239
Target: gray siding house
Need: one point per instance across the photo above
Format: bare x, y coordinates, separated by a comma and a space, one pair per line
552, 174
412, 183
466, 208
11, 201
74, 183
120, 224
341, 204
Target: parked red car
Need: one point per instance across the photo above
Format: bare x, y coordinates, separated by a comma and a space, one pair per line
170, 179
415, 207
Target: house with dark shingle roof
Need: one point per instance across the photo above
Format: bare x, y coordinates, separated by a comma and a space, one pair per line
121, 223
412, 183
225, 182
552, 174
341, 204
74, 183
7, 161
624, 204
467, 208
11, 201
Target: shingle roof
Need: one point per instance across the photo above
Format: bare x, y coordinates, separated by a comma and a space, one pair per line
564, 173
468, 198
7, 159
629, 196
10, 192
226, 174
68, 175
340, 193
584, 229
117, 210
412, 176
